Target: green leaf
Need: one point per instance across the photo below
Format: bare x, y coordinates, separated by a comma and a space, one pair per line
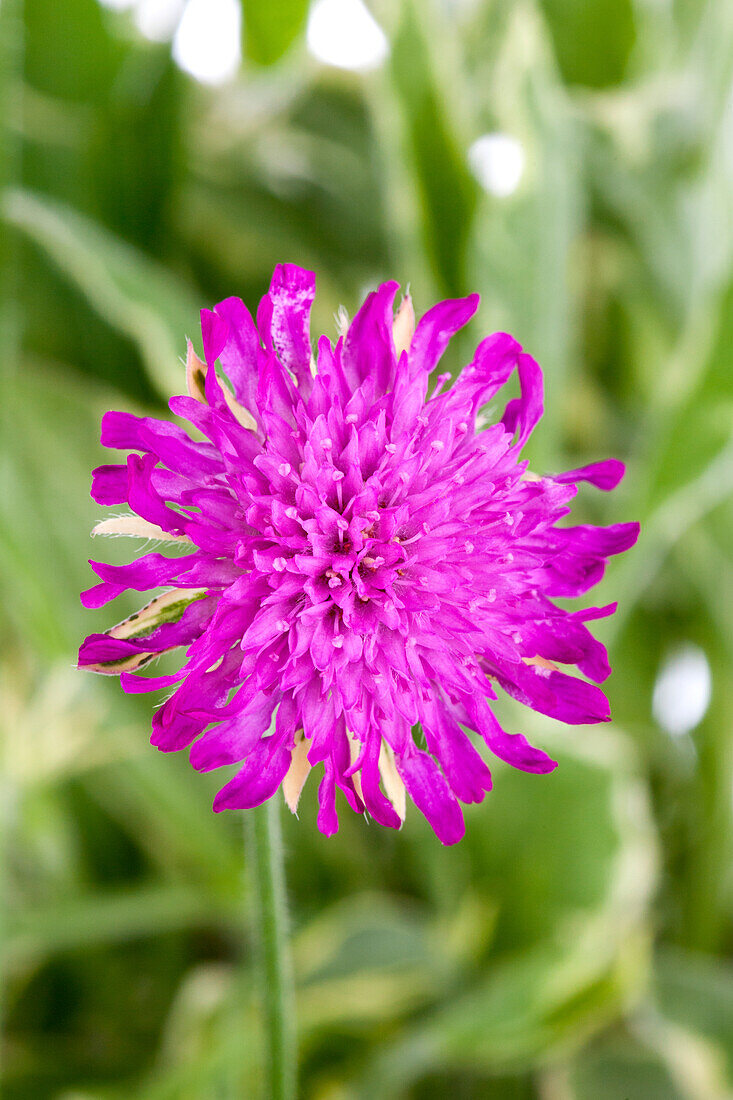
270, 29
617, 1068
571, 867
129, 290
367, 957
695, 992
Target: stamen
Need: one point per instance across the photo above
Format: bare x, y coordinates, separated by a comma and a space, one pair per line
284, 469
279, 565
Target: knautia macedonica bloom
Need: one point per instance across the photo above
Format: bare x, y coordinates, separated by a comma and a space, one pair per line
362, 567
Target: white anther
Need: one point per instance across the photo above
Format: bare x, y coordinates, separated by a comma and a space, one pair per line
391, 447
510, 556
492, 595
291, 513
516, 637
508, 518
279, 565
282, 626
327, 444
334, 582
351, 418
337, 475
462, 427
438, 445
284, 469
423, 420
468, 547
337, 642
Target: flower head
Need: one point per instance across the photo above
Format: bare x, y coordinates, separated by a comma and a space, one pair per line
363, 568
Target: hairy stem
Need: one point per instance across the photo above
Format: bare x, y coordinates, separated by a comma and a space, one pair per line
268, 880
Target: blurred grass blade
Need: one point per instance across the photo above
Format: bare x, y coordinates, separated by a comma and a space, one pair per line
130, 291
109, 918
270, 29
447, 192
47, 448
592, 42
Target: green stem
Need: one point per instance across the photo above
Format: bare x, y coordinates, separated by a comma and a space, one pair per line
268, 879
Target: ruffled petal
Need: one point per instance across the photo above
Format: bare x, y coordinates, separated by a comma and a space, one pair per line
462, 766
495, 359
259, 778
233, 740
283, 320
377, 804
429, 790
436, 328
522, 414
604, 475
150, 571
240, 355
513, 748
369, 350
109, 484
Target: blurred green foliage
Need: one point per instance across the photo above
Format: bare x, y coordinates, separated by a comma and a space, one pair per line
576, 945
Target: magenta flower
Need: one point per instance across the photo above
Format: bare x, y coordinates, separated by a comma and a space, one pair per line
360, 560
